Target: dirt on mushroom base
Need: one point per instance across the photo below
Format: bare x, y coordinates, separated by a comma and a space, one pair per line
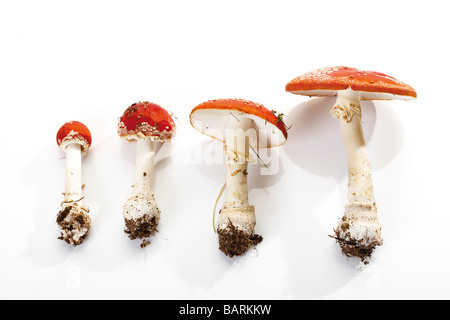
74, 223
141, 228
235, 242
354, 248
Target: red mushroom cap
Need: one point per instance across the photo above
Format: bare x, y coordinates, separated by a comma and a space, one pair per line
146, 119
373, 85
74, 132
210, 118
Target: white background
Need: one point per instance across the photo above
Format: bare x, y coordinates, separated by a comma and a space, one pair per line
89, 60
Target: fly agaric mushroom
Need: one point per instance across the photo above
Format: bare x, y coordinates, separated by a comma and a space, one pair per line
74, 138
359, 231
240, 124
145, 123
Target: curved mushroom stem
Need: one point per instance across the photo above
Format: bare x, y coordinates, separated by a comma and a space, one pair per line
358, 232
237, 218
73, 219
140, 212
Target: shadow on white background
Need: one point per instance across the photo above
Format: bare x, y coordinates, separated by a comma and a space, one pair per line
317, 144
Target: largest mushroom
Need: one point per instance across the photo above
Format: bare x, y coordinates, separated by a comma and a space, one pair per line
359, 231
146, 123
240, 124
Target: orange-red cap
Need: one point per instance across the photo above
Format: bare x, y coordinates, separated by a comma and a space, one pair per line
208, 116
146, 119
74, 132
373, 85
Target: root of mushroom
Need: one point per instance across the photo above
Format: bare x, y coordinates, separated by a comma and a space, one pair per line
74, 223
358, 235
235, 230
234, 241
141, 228
141, 215
354, 248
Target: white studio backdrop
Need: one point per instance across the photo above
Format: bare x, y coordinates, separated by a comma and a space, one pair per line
90, 60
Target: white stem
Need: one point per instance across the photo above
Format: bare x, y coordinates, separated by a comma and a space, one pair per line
359, 230
140, 211
236, 179
144, 166
73, 188
236, 162
237, 218
360, 187
348, 110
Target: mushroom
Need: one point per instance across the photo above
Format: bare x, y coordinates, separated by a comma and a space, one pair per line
74, 138
240, 124
359, 231
145, 123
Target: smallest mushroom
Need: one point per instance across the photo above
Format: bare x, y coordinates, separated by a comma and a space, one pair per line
73, 220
